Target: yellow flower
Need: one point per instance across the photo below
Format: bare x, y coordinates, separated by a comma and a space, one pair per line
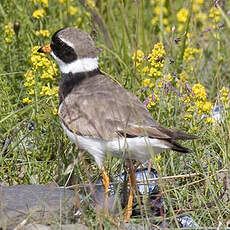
195, 8
157, 10
156, 60
8, 33
145, 69
55, 111
214, 14
201, 16
187, 100
158, 158
27, 100
165, 21
180, 27
188, 116
190, 109
183, 77
207, 107
31, 92
44, 2
91, 4
189, 53
154, 20
139, 57
168, 29
47, 76
199, 92
38, 14
146, 82
46, 69
210, 120
151, 85
224, 93
160, 84
79, 20
168, 77
40, 61
43, 33
47, 91
156, 57
29, 78
182, 15
73, 10
152, 100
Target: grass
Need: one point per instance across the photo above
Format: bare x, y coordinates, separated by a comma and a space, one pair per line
31, 150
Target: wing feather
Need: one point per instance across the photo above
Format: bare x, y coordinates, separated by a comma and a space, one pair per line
100, 108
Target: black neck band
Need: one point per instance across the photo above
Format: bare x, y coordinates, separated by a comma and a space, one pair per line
69, 80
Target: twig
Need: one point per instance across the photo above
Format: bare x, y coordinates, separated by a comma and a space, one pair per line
142, 182
21, 225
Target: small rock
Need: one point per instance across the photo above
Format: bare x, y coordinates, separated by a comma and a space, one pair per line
35, 203
187, 222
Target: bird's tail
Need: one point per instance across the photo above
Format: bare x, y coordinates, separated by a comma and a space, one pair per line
179, 148
178, 135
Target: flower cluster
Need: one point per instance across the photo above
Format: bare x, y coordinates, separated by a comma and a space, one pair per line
151, 100
198, 16
38, 14
151, 67
224, 97
196, 5
138, 57
152, 64
40, 80
91, 4
154, 80
47, 91
196, 103
160, 10
8, 33
73, 10
182, 15
156, 60
43, 33
214, 15
190, 53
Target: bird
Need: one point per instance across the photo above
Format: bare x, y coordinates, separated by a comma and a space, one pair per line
98, 114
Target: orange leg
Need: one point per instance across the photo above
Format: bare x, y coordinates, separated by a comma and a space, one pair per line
106, 185
129, 207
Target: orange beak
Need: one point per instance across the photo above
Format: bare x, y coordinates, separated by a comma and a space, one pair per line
45, 49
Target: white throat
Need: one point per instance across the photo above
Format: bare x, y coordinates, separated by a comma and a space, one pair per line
80, 65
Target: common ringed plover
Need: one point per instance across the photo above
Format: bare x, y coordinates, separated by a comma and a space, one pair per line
100, 116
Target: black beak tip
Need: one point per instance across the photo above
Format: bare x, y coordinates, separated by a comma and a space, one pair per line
40, 50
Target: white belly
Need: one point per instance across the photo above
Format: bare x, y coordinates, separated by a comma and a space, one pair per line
138, 148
